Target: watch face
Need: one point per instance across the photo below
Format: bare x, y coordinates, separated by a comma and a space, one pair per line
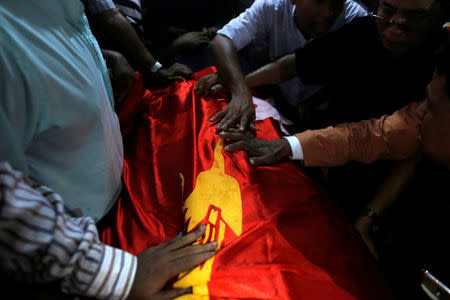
156, 66
370, 213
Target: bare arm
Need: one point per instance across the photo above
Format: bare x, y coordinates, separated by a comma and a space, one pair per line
240, 110
227, 63
385, 197
125, 40
389, 137
274, 73
122, 35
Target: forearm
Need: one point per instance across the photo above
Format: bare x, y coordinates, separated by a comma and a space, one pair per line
273, 73
389, 137
393, 185
124, 38
37, 235
227, 63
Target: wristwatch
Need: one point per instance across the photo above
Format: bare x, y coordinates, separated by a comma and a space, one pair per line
368, 212
156, 66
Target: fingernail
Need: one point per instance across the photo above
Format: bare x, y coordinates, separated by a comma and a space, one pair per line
215, 244
202, 228
180, 234
227, 148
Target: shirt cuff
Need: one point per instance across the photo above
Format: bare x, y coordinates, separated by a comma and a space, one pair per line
296, 147
115, 275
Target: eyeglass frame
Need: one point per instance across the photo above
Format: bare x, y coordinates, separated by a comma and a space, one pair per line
405, 25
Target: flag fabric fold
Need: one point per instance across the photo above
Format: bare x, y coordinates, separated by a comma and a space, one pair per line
280, 234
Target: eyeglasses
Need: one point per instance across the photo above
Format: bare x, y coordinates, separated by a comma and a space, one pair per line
406, 26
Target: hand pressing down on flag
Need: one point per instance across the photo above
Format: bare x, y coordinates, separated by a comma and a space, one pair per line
260, 152
157, 265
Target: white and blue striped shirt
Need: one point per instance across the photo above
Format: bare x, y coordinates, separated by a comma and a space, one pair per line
39, 243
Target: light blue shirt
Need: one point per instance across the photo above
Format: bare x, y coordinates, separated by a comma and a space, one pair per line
57, 123
273, 21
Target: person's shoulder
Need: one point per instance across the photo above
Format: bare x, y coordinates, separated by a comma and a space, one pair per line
278, 5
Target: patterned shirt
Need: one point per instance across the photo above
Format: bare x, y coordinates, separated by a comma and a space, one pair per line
39, 243
97, 6
130, 9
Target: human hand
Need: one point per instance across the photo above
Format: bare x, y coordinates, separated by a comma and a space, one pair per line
157, 265
239, 113
260, 152
121, 74
211, 31
175, 72
363, 225
209, 84
163, 77
190, 41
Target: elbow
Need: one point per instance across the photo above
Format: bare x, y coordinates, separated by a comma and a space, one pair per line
220, 45
215, 44
287, 68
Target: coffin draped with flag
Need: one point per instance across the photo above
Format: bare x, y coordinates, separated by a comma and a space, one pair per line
280, 234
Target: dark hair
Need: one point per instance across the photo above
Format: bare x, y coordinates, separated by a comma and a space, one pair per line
442, 61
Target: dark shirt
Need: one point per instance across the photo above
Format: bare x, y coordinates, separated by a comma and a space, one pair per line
362, 79
412, 233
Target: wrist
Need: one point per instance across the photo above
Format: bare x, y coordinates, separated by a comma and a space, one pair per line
240, 91
370, 213
155, 67
285, 148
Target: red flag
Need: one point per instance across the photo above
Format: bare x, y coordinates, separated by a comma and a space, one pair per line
280, 234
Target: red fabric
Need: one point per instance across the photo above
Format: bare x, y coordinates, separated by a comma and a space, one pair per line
293, 243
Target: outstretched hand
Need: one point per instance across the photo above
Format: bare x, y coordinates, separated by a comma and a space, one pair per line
209, 85
157, 265
163, 77
190, 41
239, 113
260, 152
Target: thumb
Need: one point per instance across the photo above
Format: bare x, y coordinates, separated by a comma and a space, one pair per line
262, 160
217, 89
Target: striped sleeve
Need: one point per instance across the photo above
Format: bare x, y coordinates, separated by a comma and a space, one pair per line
41, 244
97, 6
132, 10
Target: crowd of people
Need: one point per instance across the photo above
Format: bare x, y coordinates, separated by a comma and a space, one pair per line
366, 86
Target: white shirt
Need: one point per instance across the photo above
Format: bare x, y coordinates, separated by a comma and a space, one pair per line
273, 21
57, 123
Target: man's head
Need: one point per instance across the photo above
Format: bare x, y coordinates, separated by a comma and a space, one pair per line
435, 111
315, 17
413, 22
